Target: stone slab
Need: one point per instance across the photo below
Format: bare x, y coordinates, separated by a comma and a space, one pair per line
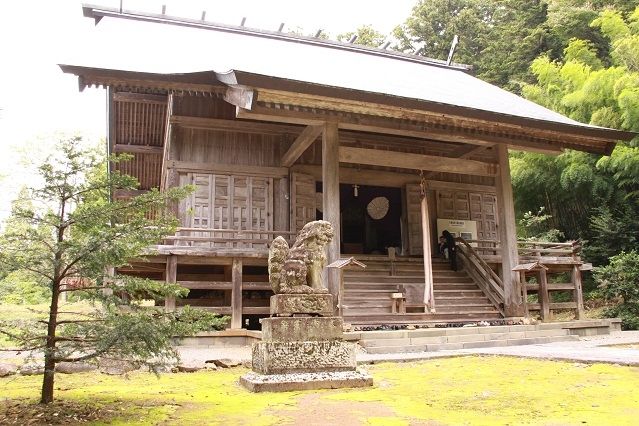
305, 381
291, 304
303, 357
292, 329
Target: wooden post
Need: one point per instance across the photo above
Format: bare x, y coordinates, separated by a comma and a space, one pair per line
524, 290
578, 293
513, 305
236, 295
331, 209
171, 278
544, 298
429, 297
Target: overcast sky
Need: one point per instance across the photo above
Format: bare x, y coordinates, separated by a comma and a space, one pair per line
37, 100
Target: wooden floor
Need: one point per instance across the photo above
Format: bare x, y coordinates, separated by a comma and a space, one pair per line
367, 293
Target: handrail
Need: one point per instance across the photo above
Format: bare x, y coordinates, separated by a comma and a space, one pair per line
532, 248
484, 276
239, 231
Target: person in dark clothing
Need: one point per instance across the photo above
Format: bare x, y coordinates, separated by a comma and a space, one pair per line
452, 249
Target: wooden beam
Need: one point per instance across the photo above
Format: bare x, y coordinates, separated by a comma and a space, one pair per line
171, 278
301, 144
404, 160
307, 101
228, 168
461, 153
330, 200
139, 98
236, 293
390, 126
241, 126
360, 176
138, 149
508, 237
167, 148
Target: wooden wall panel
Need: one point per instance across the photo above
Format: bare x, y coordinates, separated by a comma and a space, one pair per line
147, 168
139, 119
302, 200
414, 219
199, 106
205, 146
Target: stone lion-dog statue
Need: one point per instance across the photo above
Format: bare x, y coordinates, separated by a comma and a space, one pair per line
298, 270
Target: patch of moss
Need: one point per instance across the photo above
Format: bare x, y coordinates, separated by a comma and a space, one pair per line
468, 390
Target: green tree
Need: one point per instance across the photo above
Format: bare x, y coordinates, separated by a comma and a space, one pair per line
498, 38
74, 233
366, 36
590, 197
619, 281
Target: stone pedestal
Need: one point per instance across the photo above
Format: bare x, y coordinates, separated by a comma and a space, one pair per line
303, 348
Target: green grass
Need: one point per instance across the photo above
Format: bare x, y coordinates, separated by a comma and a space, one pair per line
28, 313
467, 390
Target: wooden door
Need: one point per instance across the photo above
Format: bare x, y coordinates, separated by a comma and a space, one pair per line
484, 211
414, 219
302, 200
453, 205
229, 203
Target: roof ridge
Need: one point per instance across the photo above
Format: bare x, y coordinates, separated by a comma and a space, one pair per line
99, 12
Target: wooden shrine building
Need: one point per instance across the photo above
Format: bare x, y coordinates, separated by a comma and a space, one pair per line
275, 130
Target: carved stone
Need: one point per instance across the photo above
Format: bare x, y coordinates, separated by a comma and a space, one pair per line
291, 304
298, 270
303, 357
287, 329
302, 344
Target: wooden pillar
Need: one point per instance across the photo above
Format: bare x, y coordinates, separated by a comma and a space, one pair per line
524, 289
513, 305
171, 278
331, 209
544, 297
578, 293
236, 295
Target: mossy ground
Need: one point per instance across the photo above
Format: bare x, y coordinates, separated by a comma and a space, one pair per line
468, 390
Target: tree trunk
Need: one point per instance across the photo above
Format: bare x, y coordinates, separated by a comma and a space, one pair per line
49, 352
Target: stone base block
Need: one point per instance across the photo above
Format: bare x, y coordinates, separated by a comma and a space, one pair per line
305, 381
303, 357
291, 304
299, 329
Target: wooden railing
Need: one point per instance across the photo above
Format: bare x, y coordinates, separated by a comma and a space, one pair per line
226, 238
482, 274
530, 249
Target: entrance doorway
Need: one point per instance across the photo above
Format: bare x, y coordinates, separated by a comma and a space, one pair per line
371, 219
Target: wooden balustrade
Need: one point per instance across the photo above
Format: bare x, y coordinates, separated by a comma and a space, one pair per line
226, 238
482, 274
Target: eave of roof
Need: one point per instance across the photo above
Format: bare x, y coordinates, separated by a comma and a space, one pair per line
447, 90
247, 79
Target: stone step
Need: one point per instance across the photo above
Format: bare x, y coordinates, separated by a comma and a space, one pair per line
416, 318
